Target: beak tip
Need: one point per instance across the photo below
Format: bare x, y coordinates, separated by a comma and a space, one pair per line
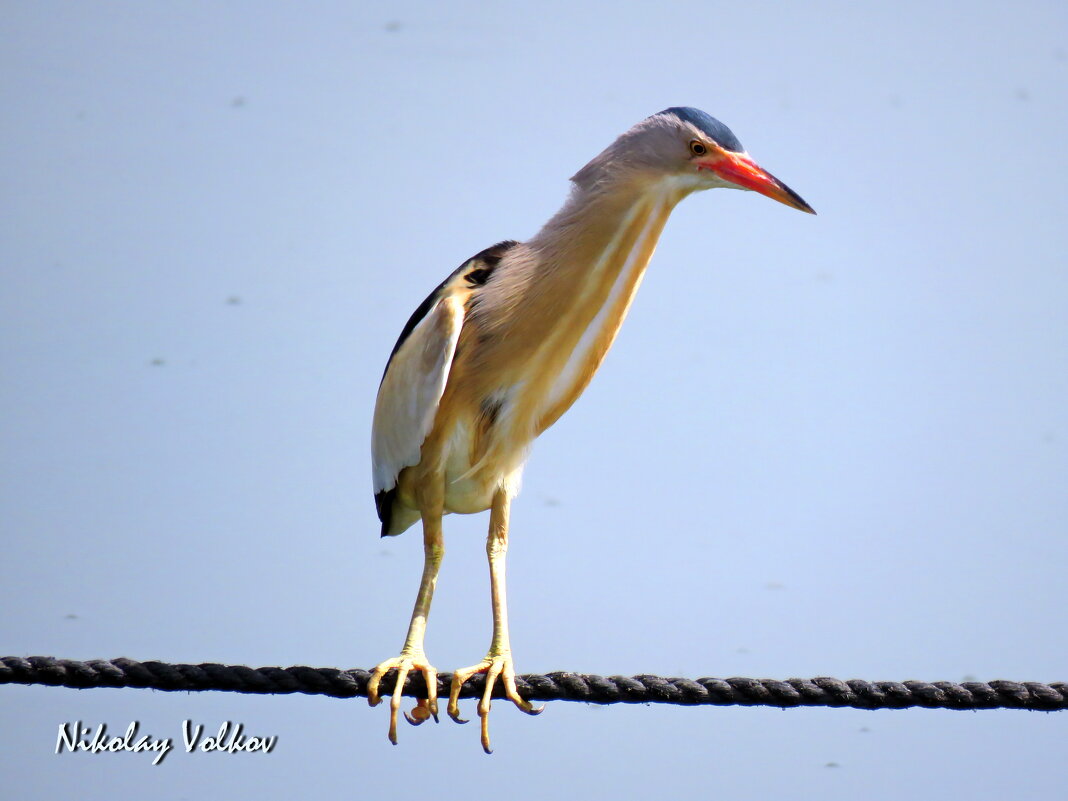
794, 199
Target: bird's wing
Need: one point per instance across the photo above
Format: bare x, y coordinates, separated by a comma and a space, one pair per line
415, 378
411, 389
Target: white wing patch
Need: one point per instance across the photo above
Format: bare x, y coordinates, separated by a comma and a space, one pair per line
411, 390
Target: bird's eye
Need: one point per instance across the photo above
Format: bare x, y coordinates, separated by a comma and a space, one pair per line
698, 148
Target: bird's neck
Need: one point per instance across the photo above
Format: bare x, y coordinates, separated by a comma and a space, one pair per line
592, 256
599, 222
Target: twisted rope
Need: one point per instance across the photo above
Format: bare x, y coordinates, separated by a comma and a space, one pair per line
561, 686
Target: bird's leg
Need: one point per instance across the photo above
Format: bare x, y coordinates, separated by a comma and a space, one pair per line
498, 661
412, 656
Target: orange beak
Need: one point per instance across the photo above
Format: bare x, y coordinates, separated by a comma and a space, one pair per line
742, 171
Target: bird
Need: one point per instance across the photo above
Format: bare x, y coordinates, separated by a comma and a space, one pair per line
506, 344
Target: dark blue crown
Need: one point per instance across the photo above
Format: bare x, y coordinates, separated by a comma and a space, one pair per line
709, 126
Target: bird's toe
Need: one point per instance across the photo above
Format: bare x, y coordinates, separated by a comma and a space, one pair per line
424, 707
496, 667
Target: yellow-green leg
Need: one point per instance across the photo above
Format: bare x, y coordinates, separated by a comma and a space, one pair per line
412, 656
498, 661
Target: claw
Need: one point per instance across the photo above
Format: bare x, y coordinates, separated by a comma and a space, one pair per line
421, 712
495, 667
424, 708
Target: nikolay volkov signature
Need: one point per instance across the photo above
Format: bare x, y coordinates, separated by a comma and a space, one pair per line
230, 738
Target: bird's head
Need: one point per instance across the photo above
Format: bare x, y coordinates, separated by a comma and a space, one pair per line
690, 150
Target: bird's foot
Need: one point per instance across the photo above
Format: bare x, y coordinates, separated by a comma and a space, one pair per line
494, 666
424, 707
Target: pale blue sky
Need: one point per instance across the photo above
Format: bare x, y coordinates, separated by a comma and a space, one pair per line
821, 446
